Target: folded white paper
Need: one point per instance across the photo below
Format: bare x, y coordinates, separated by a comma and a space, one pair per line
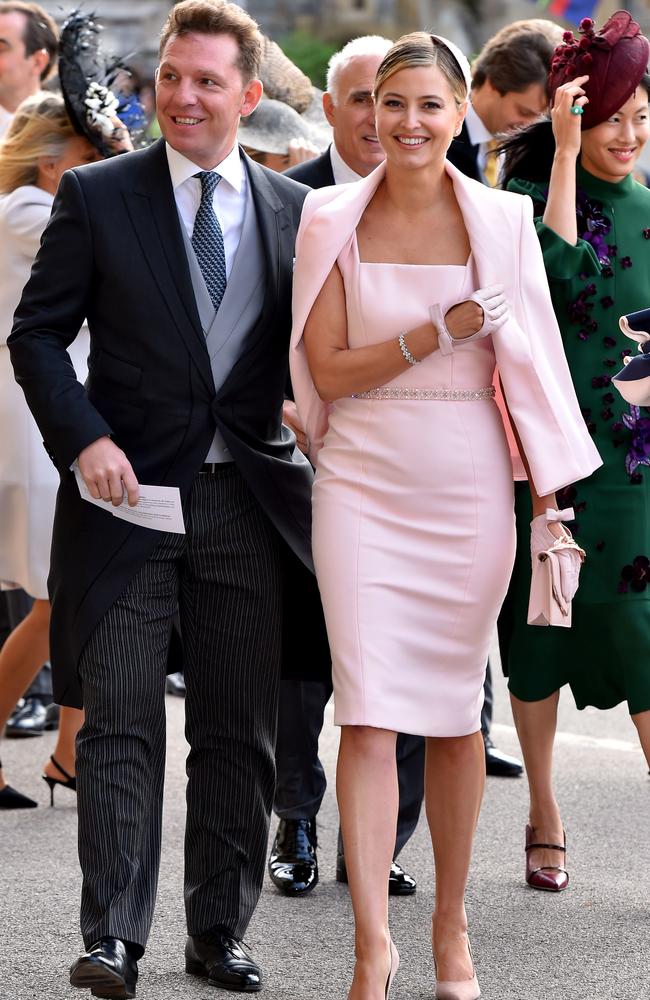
159, 507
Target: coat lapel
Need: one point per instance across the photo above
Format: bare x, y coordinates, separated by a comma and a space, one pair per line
488, 229
153, 212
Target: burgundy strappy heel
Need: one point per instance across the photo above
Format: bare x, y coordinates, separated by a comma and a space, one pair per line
550, 878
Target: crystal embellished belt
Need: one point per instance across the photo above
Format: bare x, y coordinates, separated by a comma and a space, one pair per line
455, 395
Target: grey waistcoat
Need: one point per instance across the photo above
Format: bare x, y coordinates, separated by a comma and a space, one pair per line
226, 329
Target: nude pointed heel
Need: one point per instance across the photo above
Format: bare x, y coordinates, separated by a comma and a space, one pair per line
466, 989
394, 966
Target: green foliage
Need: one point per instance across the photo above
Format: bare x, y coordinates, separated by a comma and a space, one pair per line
309, 53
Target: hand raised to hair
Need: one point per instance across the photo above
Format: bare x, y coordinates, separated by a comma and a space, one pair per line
567, 125
120, 140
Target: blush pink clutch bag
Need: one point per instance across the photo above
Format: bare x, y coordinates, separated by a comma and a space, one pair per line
556, 566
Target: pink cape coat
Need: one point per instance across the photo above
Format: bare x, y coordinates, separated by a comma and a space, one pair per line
528, 348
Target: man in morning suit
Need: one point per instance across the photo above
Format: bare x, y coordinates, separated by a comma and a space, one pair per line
180, 256
508, 89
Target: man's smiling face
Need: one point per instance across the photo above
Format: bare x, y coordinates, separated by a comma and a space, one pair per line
19, 73
201, 94
351, 113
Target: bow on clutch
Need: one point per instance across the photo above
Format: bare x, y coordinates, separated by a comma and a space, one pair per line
556, 566
633, 381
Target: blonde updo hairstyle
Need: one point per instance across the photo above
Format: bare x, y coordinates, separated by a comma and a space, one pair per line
421, 49
40, 128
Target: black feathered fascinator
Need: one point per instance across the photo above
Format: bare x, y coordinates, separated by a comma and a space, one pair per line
87, 76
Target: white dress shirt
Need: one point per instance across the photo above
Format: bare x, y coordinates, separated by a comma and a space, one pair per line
343, 174
6, 119
478, 136
230, 208
229, 196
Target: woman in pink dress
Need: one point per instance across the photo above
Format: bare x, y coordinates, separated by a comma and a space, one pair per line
409, 287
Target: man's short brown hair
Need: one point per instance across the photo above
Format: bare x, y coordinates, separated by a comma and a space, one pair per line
217, 17
517, 56
40, 32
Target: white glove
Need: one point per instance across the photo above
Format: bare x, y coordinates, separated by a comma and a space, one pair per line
492, 301
556, 566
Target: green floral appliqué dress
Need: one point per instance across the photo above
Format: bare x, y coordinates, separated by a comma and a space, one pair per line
605, 655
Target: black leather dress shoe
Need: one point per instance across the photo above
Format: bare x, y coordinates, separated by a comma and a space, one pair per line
399, 883
175, 684
224, 961
498, 764
108, 969
32, 718
293, 865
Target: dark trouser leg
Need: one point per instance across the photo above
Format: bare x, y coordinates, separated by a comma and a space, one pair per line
121, 752
18, 605
301, 781
231, 617
41, 686
488, 703
5, 622
410, 775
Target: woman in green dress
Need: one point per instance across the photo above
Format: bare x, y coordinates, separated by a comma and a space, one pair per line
594, 228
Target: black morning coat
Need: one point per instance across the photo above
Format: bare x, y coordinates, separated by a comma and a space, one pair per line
464, 155
316, 173
113, 254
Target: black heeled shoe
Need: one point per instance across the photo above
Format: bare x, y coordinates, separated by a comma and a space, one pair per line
11, 799
70, 783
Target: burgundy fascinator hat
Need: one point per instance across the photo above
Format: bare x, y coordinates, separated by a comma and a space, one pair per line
615, 58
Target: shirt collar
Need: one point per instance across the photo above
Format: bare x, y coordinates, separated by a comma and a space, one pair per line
230, 168
476, 130
343, 174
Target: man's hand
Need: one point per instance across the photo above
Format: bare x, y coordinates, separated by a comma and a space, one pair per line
120, 139
291, 419
107, 472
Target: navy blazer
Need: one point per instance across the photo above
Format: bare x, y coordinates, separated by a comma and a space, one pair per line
464, 155
316, 173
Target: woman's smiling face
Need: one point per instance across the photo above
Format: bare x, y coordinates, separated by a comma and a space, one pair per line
610, 150
417, 116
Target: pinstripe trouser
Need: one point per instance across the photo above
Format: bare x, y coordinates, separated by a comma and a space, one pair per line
224, 576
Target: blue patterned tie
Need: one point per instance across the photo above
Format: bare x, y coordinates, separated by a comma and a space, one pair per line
207, 239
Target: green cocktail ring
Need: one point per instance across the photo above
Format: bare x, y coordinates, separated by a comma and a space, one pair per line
577, 110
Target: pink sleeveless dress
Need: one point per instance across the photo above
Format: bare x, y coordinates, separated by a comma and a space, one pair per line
413, 531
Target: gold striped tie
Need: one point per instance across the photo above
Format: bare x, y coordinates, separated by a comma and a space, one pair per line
491, 169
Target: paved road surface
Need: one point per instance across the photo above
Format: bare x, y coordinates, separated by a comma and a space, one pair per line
589, 943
